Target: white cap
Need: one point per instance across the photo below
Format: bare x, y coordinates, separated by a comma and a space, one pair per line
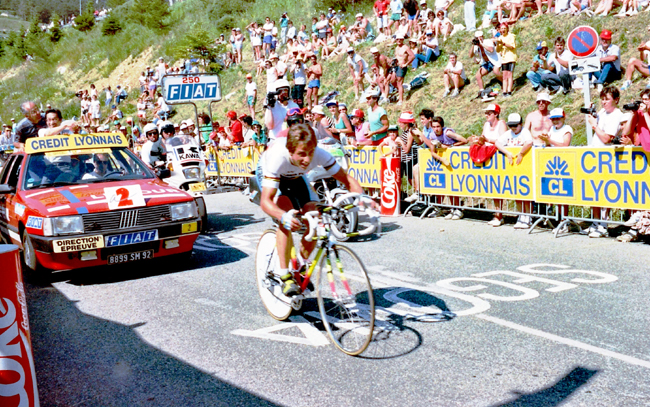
478, 34
374, 50
189, 122
350, 49
318, 109
399, 36
556, 113
544, 96
514, 119
358, 15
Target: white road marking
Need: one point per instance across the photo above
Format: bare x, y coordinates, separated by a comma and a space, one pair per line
570, 342
313, 336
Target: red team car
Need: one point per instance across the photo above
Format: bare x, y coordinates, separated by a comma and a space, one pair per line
76, 201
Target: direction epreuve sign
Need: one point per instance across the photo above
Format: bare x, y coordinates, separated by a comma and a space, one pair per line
582, 41
191, 88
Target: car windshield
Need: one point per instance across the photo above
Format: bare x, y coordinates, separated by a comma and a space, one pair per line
83, 167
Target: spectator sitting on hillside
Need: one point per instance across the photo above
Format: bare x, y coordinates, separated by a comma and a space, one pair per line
558, 64
538, 66
539, 122
484, 53
605, 6
610, 59
430, 49
303, 37
403, 28
579, 6
442, 25
638, 65
115, 115
454, 73
121, 94
358, 30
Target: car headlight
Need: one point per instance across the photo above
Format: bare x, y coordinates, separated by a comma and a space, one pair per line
183, 211
63, 225
192, 173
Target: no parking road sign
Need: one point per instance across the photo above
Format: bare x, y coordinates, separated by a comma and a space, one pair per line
582, 41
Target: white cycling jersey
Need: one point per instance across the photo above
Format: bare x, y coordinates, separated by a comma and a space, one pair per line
277, 164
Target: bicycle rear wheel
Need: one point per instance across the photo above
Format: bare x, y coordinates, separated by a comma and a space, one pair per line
345, 300
268, 284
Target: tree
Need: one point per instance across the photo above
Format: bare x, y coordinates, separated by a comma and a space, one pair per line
114, 3
151, 13
55, 32
112, 25
35, 31
86, 21
198, 44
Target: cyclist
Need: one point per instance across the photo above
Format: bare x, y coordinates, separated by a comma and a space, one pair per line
286, 163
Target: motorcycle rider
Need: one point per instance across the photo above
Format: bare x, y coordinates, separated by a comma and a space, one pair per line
153, 150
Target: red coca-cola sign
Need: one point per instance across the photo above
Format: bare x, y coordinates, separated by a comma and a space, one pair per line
17, 374
391, 183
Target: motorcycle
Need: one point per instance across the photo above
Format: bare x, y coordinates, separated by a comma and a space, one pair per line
186, 163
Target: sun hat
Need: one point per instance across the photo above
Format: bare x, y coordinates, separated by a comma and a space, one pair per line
350, 49
399, 36
249, 76
358, 15
374, 50
493, 107
514, 119
544, 96
557, 113
189, 122
183, 125
406, 117
341, 104
318, 110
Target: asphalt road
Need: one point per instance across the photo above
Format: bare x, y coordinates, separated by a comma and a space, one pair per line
538, 321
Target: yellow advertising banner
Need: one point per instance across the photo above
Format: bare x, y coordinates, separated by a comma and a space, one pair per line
235, 162
495, 178
364, 165
611, 177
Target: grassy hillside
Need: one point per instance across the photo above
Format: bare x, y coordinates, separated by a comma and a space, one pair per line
84, 58
11, 24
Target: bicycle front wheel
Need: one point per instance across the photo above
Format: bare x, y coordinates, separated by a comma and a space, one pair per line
268, 284
345, 300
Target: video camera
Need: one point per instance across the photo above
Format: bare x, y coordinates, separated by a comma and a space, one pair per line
475, 41
270, 99
632, 107
589, 110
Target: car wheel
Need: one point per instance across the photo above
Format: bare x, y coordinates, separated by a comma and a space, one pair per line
29, 254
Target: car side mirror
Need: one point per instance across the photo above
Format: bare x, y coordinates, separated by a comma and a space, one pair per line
6, 189
163, 173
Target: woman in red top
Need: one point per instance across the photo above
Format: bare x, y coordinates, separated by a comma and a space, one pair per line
234, 130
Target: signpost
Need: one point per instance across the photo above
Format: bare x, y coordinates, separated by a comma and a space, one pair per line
582, 43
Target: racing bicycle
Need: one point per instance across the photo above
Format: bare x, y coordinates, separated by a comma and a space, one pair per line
341, 284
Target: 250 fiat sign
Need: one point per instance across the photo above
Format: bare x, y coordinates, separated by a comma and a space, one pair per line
191, 88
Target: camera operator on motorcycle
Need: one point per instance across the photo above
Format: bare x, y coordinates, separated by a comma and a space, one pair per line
153, 150
278, 104
167, 132
285, 166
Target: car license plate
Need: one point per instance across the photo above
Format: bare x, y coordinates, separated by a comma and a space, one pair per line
127, 257
199, 186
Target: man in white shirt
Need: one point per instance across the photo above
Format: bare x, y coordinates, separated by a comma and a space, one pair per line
558, 63
488, 59
251, 94
610, 59
276, 112
454, 74
358, 69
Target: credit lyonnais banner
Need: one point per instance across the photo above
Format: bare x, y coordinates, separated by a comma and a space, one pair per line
235, 162
495, 178
613, 177
364, 165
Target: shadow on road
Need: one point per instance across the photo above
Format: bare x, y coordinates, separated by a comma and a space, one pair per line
219, 223
87, 361
553, 395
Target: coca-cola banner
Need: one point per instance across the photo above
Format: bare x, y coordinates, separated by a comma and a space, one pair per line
17, 374
391, 182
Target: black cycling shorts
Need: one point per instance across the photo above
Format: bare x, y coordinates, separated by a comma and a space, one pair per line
298, 190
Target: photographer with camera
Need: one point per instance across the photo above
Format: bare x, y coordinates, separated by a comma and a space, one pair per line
484, 52
607, 127
278, 103
636, 131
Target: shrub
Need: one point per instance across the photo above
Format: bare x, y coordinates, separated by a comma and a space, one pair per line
112, 25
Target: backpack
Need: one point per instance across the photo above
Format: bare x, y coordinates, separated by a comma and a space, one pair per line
418, 209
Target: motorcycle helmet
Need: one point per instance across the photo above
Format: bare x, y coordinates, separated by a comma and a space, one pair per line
149, 127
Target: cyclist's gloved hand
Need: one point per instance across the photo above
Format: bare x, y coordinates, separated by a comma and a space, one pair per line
289, 221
